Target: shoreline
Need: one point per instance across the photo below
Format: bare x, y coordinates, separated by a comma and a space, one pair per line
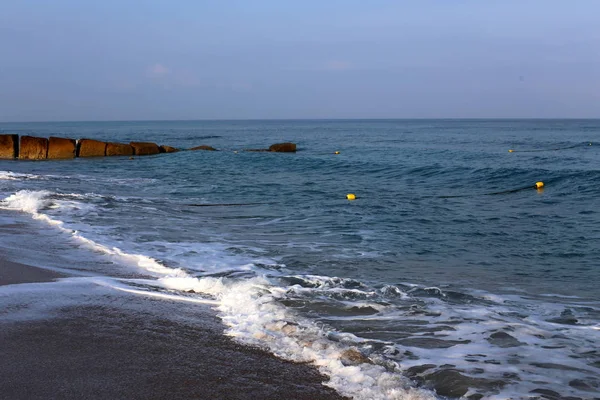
119, 349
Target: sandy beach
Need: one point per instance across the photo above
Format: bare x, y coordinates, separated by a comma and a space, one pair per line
125, 351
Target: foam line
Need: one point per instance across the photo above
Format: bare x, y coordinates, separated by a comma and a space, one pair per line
185, 299
32, 201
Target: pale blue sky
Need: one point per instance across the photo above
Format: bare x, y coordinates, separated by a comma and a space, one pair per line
195, 59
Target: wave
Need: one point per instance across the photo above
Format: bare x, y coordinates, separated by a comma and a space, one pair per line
15, 176
367, 339
252, 311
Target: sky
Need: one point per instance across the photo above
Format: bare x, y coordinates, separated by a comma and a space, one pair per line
73, 60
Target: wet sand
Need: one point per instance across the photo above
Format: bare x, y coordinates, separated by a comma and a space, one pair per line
12, 273
123, 349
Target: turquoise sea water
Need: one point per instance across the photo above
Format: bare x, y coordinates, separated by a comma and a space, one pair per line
449, 256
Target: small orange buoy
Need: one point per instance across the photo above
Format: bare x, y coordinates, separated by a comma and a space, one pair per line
351, 196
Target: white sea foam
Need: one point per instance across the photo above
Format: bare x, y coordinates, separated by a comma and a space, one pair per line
29, 201
15, 176
32, 201
539, 343
254, 315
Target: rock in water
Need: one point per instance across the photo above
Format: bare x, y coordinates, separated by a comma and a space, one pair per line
119, 149
204, 147
61, 148
9, 146
451, 383
354, 357
503, 339
418, 369
90, 148
168, 149
145, 148
283, 147
33, 148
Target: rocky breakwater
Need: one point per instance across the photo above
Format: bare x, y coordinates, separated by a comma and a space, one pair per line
61, 148
168, 149
203, 147
286, 147
90, 148
33, 148
145, 148
118, 149
55, 148
9, 146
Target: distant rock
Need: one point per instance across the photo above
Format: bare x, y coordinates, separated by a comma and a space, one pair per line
145, 148
91, 148
61, 148
168, 149
119, 149
283, 147
9, 146
204, 147
33, 148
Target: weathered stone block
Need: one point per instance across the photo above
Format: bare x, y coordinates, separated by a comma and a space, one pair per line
119, 149
59, 148
9, 146
204, 147
145, 148
33, 148
91, 148
283, 147
168, 149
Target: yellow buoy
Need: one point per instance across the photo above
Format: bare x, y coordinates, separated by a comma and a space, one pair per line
337, 152
351, 196
539, 185
511, 150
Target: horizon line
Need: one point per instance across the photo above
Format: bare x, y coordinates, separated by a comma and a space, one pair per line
309, 119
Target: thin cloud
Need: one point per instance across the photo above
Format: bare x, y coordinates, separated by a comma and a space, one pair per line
157, 71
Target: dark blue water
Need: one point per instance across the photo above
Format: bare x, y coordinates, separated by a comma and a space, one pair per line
447, 244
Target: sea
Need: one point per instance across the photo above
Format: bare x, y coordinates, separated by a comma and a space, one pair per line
450, 274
